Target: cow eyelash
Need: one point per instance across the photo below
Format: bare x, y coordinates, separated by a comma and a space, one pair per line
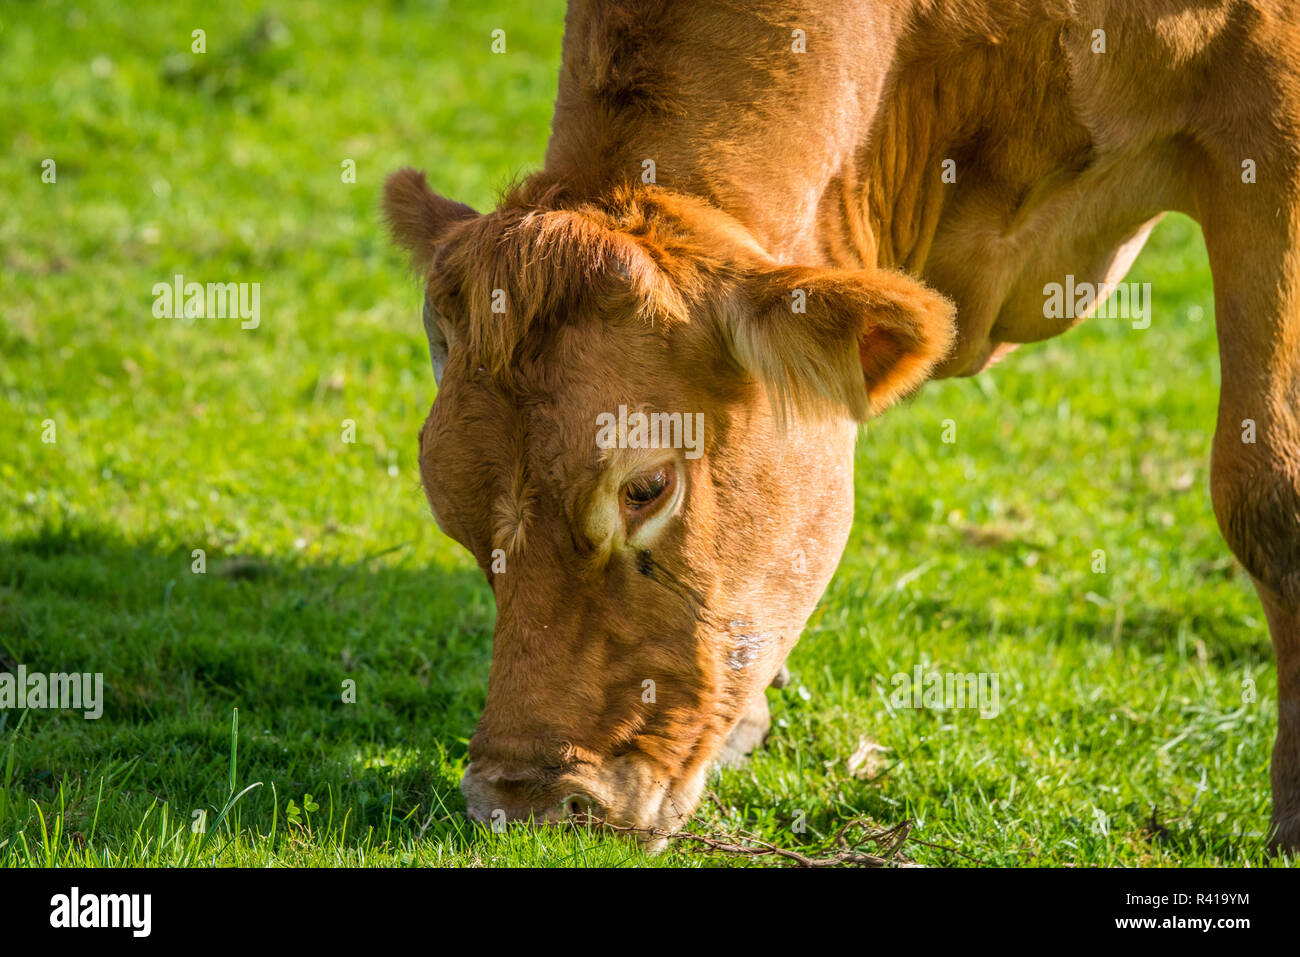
647, 489
644, 489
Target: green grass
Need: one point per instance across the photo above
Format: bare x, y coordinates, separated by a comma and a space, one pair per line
1122, 692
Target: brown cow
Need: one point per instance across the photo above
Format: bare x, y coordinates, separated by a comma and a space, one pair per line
784, 216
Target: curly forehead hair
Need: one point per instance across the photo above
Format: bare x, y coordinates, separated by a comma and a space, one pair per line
514, 274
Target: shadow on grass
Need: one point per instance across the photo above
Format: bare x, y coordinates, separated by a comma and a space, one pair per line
283, 641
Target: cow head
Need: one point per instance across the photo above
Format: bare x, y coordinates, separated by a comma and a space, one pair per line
643, 434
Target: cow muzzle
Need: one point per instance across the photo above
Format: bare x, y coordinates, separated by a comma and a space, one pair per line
495, 797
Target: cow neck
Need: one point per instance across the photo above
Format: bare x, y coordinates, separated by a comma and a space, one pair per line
675, 93
834, 156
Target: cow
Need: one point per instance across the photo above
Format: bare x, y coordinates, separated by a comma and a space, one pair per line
785, 217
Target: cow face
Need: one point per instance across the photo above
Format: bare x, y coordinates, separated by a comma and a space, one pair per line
643, 433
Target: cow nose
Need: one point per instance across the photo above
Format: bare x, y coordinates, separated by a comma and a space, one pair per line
500, 798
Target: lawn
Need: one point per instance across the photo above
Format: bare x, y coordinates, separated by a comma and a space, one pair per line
1137, 703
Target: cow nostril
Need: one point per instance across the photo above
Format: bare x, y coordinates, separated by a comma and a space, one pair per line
580, 807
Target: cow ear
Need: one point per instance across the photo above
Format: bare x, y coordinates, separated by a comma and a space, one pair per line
418, 217
859, 339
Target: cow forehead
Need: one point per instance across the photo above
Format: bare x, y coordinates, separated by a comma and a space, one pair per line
497, 457
558, 384
483, 435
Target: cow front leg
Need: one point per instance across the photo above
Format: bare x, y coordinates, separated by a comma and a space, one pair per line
1252, 232
1284, 770
1255, 486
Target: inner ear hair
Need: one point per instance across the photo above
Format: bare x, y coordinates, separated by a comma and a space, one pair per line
857, 340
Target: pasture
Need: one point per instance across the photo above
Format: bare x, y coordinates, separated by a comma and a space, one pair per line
1048, 522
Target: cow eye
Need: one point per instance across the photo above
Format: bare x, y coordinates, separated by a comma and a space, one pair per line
647, 488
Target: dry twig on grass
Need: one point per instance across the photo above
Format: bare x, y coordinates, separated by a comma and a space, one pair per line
842, 852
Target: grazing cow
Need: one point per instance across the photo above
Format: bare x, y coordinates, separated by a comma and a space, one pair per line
782, 217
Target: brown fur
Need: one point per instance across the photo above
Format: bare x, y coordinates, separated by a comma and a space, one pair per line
783, 176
